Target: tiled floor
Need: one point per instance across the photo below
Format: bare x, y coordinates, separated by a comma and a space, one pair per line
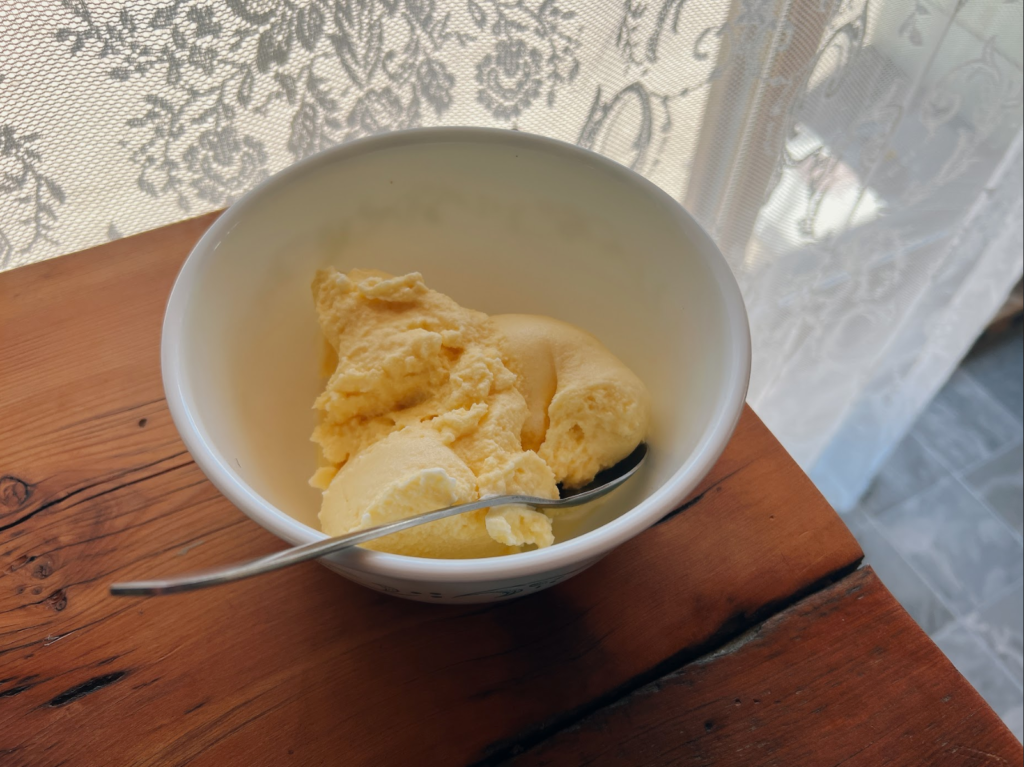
942, 524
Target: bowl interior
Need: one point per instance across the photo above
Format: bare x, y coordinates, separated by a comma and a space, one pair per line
499, 225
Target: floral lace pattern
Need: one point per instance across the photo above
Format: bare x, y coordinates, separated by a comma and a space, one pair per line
340, 70
34, 196
855, 159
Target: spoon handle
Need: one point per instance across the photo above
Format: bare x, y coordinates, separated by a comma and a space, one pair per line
307, 551
601, 486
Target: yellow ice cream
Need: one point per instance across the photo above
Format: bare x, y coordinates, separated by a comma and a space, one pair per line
586, 410
430, 404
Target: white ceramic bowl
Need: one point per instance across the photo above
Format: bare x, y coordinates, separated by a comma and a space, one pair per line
502, 222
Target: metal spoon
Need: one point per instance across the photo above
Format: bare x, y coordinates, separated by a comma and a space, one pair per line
603, 483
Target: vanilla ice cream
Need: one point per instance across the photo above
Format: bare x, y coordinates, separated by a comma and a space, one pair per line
429, 404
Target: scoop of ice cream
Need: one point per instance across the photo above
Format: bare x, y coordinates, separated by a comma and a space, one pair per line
411, 472
586, 410
402, 475
402, 354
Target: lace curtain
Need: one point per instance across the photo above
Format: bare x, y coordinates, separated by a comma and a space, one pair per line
859, 161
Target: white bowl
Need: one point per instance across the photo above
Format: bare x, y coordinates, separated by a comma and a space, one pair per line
502, 222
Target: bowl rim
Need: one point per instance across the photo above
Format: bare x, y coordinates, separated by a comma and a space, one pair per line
585, 548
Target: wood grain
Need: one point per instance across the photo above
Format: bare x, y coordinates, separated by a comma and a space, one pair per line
844, 677
301, 665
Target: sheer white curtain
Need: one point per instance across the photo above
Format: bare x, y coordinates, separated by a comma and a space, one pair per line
859, 161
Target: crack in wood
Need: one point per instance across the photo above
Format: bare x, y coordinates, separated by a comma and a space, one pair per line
106, 574
698, 498
731, 628
197, 706
58, 600
86, 488
85, 688
110, 517
127, 528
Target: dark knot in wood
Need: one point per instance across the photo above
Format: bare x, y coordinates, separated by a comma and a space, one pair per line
13, 493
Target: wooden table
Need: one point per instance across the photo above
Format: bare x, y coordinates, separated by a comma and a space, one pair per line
737, 631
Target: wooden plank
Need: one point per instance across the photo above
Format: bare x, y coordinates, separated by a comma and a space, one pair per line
844, 677
301, 663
